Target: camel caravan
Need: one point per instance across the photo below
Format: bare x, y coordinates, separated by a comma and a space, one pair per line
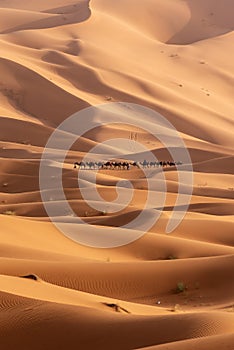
113, 165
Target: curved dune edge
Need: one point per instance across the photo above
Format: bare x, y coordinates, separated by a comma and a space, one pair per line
59, 57
213, 342
81, 311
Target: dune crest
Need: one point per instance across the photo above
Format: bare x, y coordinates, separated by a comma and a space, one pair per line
161, 291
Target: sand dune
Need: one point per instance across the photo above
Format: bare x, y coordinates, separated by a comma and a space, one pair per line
164, 290
223, 341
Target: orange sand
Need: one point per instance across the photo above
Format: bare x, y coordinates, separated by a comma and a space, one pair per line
58, 57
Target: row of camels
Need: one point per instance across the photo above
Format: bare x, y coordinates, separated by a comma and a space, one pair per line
126, 165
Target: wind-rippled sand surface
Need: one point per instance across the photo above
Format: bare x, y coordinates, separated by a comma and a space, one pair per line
58, 57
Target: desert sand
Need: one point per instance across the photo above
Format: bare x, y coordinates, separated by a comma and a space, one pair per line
162, 291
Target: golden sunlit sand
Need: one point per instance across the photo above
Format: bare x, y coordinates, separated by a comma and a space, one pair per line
162, 291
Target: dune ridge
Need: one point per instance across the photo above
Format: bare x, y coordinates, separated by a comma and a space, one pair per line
162, 291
